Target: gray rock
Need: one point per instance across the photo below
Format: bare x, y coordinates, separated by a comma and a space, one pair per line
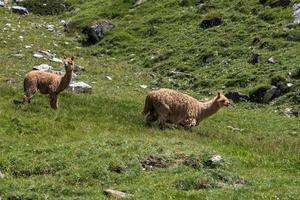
271, 60
19, 10
80, 87
50, 27
269, 94
296, 9
2, 3
42, 67
97, 31
117, 194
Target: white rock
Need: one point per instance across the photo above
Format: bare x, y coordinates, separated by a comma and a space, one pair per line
28, 46
8, 24
1, 175
109, 78
42, 67
21, 37
37, 55
143, 86
80, 87
216, 158
290, 84
56, 60
50, 27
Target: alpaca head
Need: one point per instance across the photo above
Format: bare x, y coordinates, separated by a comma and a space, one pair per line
221, 100
69, 63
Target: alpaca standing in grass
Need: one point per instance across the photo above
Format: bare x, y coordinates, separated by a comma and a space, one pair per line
48, 83
166, 105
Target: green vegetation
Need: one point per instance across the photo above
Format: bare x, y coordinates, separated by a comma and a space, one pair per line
99, 141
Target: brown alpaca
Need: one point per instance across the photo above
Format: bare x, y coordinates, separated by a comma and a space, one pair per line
170, 106
48, 83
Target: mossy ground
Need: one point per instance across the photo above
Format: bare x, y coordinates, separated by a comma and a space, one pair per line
70, 153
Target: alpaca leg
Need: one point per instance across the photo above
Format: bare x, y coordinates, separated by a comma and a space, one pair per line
188, 123
28, 95
151, 117
53, 101
162, 122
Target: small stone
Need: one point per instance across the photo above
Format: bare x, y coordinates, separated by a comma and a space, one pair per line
143, 86
1, 175
234, 128
109, 78
21, 37
116, 194
289, 85
50, 27
28, 46
216, 158
56, 60
8, 24
271, 60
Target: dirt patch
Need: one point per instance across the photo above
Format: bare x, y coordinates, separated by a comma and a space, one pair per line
156, 161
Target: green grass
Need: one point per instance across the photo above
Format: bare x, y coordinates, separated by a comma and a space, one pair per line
71, 153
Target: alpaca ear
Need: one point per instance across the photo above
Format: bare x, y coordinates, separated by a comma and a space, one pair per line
219, 95
72, 58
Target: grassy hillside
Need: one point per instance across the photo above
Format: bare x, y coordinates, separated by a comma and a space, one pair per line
99, 141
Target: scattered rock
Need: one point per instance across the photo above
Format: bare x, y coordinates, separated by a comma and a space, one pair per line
271, 60
255, 58
117, 194
109, 78
97, 31
237, 96
2, 3
269, 94
28, 46
18, 55
80, 87
42, 67
211, 22
143, 86
214, 161
290, 112
139, 2
10, 81
289, 85
50, 27
19, 10
235, 129
296, 9
1, 175
52, 57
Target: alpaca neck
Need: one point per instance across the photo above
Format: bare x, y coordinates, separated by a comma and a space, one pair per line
207, 109
65, 81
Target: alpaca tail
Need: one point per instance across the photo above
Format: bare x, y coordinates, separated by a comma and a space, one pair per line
148, 105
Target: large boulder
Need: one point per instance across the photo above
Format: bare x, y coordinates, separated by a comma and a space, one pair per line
2, 3
19, 10
97, 31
